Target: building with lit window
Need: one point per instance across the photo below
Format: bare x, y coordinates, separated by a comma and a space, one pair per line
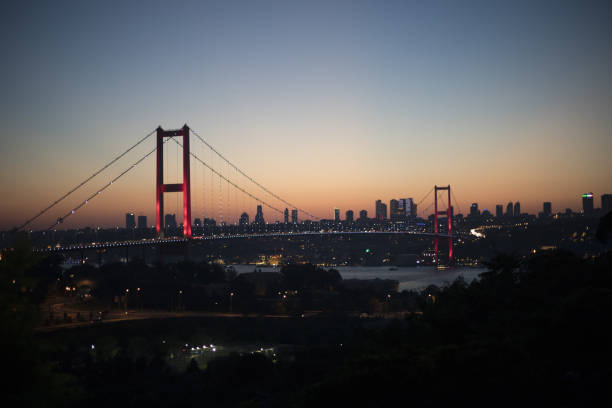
294, 216
587, 203
363, 215
259, 218
381, 210
244, 219
474, 211
349, 216
130, 221
517, 209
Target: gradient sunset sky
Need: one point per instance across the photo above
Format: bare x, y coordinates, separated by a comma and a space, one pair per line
328, 104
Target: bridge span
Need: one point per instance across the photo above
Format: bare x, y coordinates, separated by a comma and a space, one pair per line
231, 180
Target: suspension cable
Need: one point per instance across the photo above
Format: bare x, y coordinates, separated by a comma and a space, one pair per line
251, 179
229, 181
97, 193
83, 182
456, 202
427, 208
426, 195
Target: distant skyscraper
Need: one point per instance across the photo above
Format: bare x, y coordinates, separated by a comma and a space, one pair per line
337, 214
197, 222
606, 203
294, 216
259, 218
499, 211
286, 216
509, 209
547, 208
170, 221
587, 203
396, 212
363, 215
244, 219
517, 209
349, 216
408, 207
474, 211
142, 221
381, 210
130, 221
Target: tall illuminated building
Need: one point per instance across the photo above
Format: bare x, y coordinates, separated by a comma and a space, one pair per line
286, 216
244, 219
499, 211
363, 215
349, 216
259, 218
408, 207
294, 216
130, 221
517, 209
337, 214
381, 210
587, 203
396, 212
547, 208
474, 211
142, 221
170, 221
509, 209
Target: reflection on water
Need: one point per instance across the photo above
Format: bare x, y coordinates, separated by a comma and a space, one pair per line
408, 277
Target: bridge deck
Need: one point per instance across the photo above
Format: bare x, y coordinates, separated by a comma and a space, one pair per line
169, 240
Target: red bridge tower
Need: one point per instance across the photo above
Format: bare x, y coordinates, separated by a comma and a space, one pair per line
184, 187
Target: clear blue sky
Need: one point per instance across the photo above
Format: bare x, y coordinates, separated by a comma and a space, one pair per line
331, 104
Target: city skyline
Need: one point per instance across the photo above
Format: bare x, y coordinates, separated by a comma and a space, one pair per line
230, 212
327, 105
498, 213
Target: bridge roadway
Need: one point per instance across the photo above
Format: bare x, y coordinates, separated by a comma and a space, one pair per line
170, 240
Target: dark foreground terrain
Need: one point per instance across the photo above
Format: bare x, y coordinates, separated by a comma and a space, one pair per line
531, 332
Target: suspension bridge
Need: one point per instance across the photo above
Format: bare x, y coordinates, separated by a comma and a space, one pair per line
235, 181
